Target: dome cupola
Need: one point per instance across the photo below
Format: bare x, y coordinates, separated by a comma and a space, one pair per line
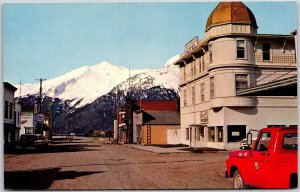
235, 13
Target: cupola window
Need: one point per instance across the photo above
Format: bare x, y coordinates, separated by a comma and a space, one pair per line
241, 81
210, 54
240, 52
212, 87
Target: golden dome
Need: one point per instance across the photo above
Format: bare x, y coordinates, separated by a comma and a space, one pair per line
230, 12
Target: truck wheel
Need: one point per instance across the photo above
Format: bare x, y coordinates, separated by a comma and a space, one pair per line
238, 182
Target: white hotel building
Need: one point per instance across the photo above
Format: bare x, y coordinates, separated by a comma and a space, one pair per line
234, 80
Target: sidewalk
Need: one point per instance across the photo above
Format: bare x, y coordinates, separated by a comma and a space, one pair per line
155, 149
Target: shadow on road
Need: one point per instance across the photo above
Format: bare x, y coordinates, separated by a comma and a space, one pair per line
59, 140
40, 179
70, 148
61, 145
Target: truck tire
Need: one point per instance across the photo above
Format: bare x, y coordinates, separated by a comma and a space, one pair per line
238, 182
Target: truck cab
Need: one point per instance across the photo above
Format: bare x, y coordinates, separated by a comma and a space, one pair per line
269, 162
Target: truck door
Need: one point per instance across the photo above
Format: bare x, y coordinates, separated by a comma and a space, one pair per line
259, 161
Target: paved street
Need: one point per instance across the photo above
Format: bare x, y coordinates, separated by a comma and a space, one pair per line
90, 163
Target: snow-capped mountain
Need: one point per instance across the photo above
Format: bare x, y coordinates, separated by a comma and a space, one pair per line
88, 83
87, 98
166, 77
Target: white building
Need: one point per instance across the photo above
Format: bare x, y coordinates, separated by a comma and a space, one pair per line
229, 80
18, 108
27, 122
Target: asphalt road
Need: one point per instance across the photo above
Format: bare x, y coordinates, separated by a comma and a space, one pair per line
88, 163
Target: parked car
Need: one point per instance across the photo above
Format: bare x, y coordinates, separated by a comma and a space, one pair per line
271, 162
244, 145
31, 141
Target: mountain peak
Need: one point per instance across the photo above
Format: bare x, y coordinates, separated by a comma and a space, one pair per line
170, 62
106, 64
87, 83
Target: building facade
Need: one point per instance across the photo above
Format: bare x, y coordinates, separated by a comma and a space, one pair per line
27, 122
148, 122
9, 114
18, 111
231, 58
155, 122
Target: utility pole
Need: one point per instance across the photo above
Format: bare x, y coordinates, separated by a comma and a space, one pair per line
20, 90
40, 96
140, 92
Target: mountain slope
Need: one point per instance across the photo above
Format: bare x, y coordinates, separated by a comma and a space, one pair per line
87, 98
166, 77
84, 84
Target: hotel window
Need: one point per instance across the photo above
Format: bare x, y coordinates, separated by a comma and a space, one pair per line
202, 92
210, 53
6, 110
236, 133
193, 95
184, 98
187, 133
220, 134
212, 87
241, 81
202, 133
240, 51
198, 134
266, 51
211, 134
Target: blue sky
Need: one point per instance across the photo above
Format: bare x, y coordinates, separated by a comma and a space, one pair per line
48, 40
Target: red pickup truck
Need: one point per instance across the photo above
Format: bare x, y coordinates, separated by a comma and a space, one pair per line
269, 162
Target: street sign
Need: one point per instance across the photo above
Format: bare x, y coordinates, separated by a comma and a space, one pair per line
39, 118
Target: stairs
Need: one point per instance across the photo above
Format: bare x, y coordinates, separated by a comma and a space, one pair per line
148, 134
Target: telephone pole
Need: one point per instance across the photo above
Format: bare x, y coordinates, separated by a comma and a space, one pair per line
40, 96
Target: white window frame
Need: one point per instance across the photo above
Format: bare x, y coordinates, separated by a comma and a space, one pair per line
202, 90
212, 87
236, 82
193, 96
237, 49
187, 134
262, 50
210, 52
184, 97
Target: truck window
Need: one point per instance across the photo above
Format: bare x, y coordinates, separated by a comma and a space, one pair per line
264, 141
290, 141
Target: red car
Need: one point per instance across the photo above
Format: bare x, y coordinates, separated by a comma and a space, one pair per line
270, 162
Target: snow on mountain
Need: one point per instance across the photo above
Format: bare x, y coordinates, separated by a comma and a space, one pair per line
87, 83
165, 77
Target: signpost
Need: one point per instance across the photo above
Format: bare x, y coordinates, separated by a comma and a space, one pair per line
39, 118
